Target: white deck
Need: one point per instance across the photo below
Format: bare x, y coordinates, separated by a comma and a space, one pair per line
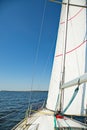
44, 120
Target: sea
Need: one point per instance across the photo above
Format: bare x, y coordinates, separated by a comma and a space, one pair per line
13, 106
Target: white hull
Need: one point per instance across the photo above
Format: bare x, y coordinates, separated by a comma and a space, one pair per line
44, 120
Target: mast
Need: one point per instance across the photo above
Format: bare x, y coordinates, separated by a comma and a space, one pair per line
64, 58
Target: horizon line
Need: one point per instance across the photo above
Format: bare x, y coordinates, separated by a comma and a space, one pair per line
23, 90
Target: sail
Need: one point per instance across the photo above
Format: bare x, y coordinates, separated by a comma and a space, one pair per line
75, 62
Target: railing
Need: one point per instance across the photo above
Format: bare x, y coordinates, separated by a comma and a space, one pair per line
34, 107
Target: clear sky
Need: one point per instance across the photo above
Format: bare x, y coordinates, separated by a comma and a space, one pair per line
24, 30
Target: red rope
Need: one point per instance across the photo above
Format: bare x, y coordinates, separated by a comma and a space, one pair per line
72, 49
73, 16
60, 117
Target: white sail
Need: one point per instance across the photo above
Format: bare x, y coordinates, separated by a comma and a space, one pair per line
75, 58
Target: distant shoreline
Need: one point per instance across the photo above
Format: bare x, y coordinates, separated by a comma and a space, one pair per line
23, 91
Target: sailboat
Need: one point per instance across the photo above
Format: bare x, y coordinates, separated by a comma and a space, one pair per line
67, 96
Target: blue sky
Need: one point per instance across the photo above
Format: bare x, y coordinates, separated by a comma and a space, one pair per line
21, 33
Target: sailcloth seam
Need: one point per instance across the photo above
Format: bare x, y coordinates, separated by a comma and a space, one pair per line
73, 48
73, 16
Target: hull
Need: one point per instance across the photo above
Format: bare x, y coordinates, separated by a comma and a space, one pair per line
45, 120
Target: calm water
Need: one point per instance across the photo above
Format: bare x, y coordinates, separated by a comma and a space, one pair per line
13, 106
